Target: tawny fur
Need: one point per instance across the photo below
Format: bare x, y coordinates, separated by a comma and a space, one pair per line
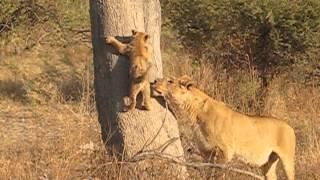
138, 52
256, 140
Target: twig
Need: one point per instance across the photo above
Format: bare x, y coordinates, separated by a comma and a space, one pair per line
167, 144
79, 30
147, 144
3, 27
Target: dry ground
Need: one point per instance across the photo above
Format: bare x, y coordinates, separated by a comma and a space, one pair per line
297, 104
49, 128
47, 142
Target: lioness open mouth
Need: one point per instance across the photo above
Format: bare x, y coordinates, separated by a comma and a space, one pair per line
156, 92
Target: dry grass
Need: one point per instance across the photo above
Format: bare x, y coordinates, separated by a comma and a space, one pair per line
49, 127
297, 104
47, 141
48, 122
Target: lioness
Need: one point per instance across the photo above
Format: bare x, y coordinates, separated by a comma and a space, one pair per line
138, 52
257, 140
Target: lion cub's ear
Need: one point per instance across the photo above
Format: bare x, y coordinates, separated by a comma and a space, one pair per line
186, 81
134, 32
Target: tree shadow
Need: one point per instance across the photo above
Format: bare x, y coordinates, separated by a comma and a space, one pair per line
111, 86
13, 89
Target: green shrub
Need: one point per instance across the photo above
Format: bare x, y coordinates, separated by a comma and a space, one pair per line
26, 13
268, 35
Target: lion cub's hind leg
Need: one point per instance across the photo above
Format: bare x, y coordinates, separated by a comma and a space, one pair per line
134, 91
136, 88
147, 103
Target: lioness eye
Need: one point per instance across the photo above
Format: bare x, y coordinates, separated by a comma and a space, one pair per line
170, 81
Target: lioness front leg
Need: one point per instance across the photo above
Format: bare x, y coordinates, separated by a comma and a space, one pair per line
147, 103
122, 48
227, 155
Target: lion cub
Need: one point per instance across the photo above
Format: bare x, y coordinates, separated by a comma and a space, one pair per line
138, 52
261, 141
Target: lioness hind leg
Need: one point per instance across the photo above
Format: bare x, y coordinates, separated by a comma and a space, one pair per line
288, 165
269, 168
272, 158
271, 174
147, 103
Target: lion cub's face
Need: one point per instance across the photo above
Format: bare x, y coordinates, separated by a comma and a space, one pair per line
174, 89
139, 55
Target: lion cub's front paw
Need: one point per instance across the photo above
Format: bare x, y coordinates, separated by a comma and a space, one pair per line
128, 104
125, 109
109, 39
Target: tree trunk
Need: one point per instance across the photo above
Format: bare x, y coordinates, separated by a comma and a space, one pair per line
130, 132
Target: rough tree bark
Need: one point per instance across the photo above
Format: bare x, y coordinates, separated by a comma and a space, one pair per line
130, 132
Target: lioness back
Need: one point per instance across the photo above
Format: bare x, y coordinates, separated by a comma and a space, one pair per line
255, 138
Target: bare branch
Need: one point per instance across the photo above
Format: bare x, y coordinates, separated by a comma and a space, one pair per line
147, 144
79, 30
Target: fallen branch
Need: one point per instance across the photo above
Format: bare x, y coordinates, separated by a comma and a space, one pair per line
79, 30
158, 155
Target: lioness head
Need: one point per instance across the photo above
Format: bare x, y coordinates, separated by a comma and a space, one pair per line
177, 90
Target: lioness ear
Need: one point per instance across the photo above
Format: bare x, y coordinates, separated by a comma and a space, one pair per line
186, 81
172, 79
189, 84
134, 32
